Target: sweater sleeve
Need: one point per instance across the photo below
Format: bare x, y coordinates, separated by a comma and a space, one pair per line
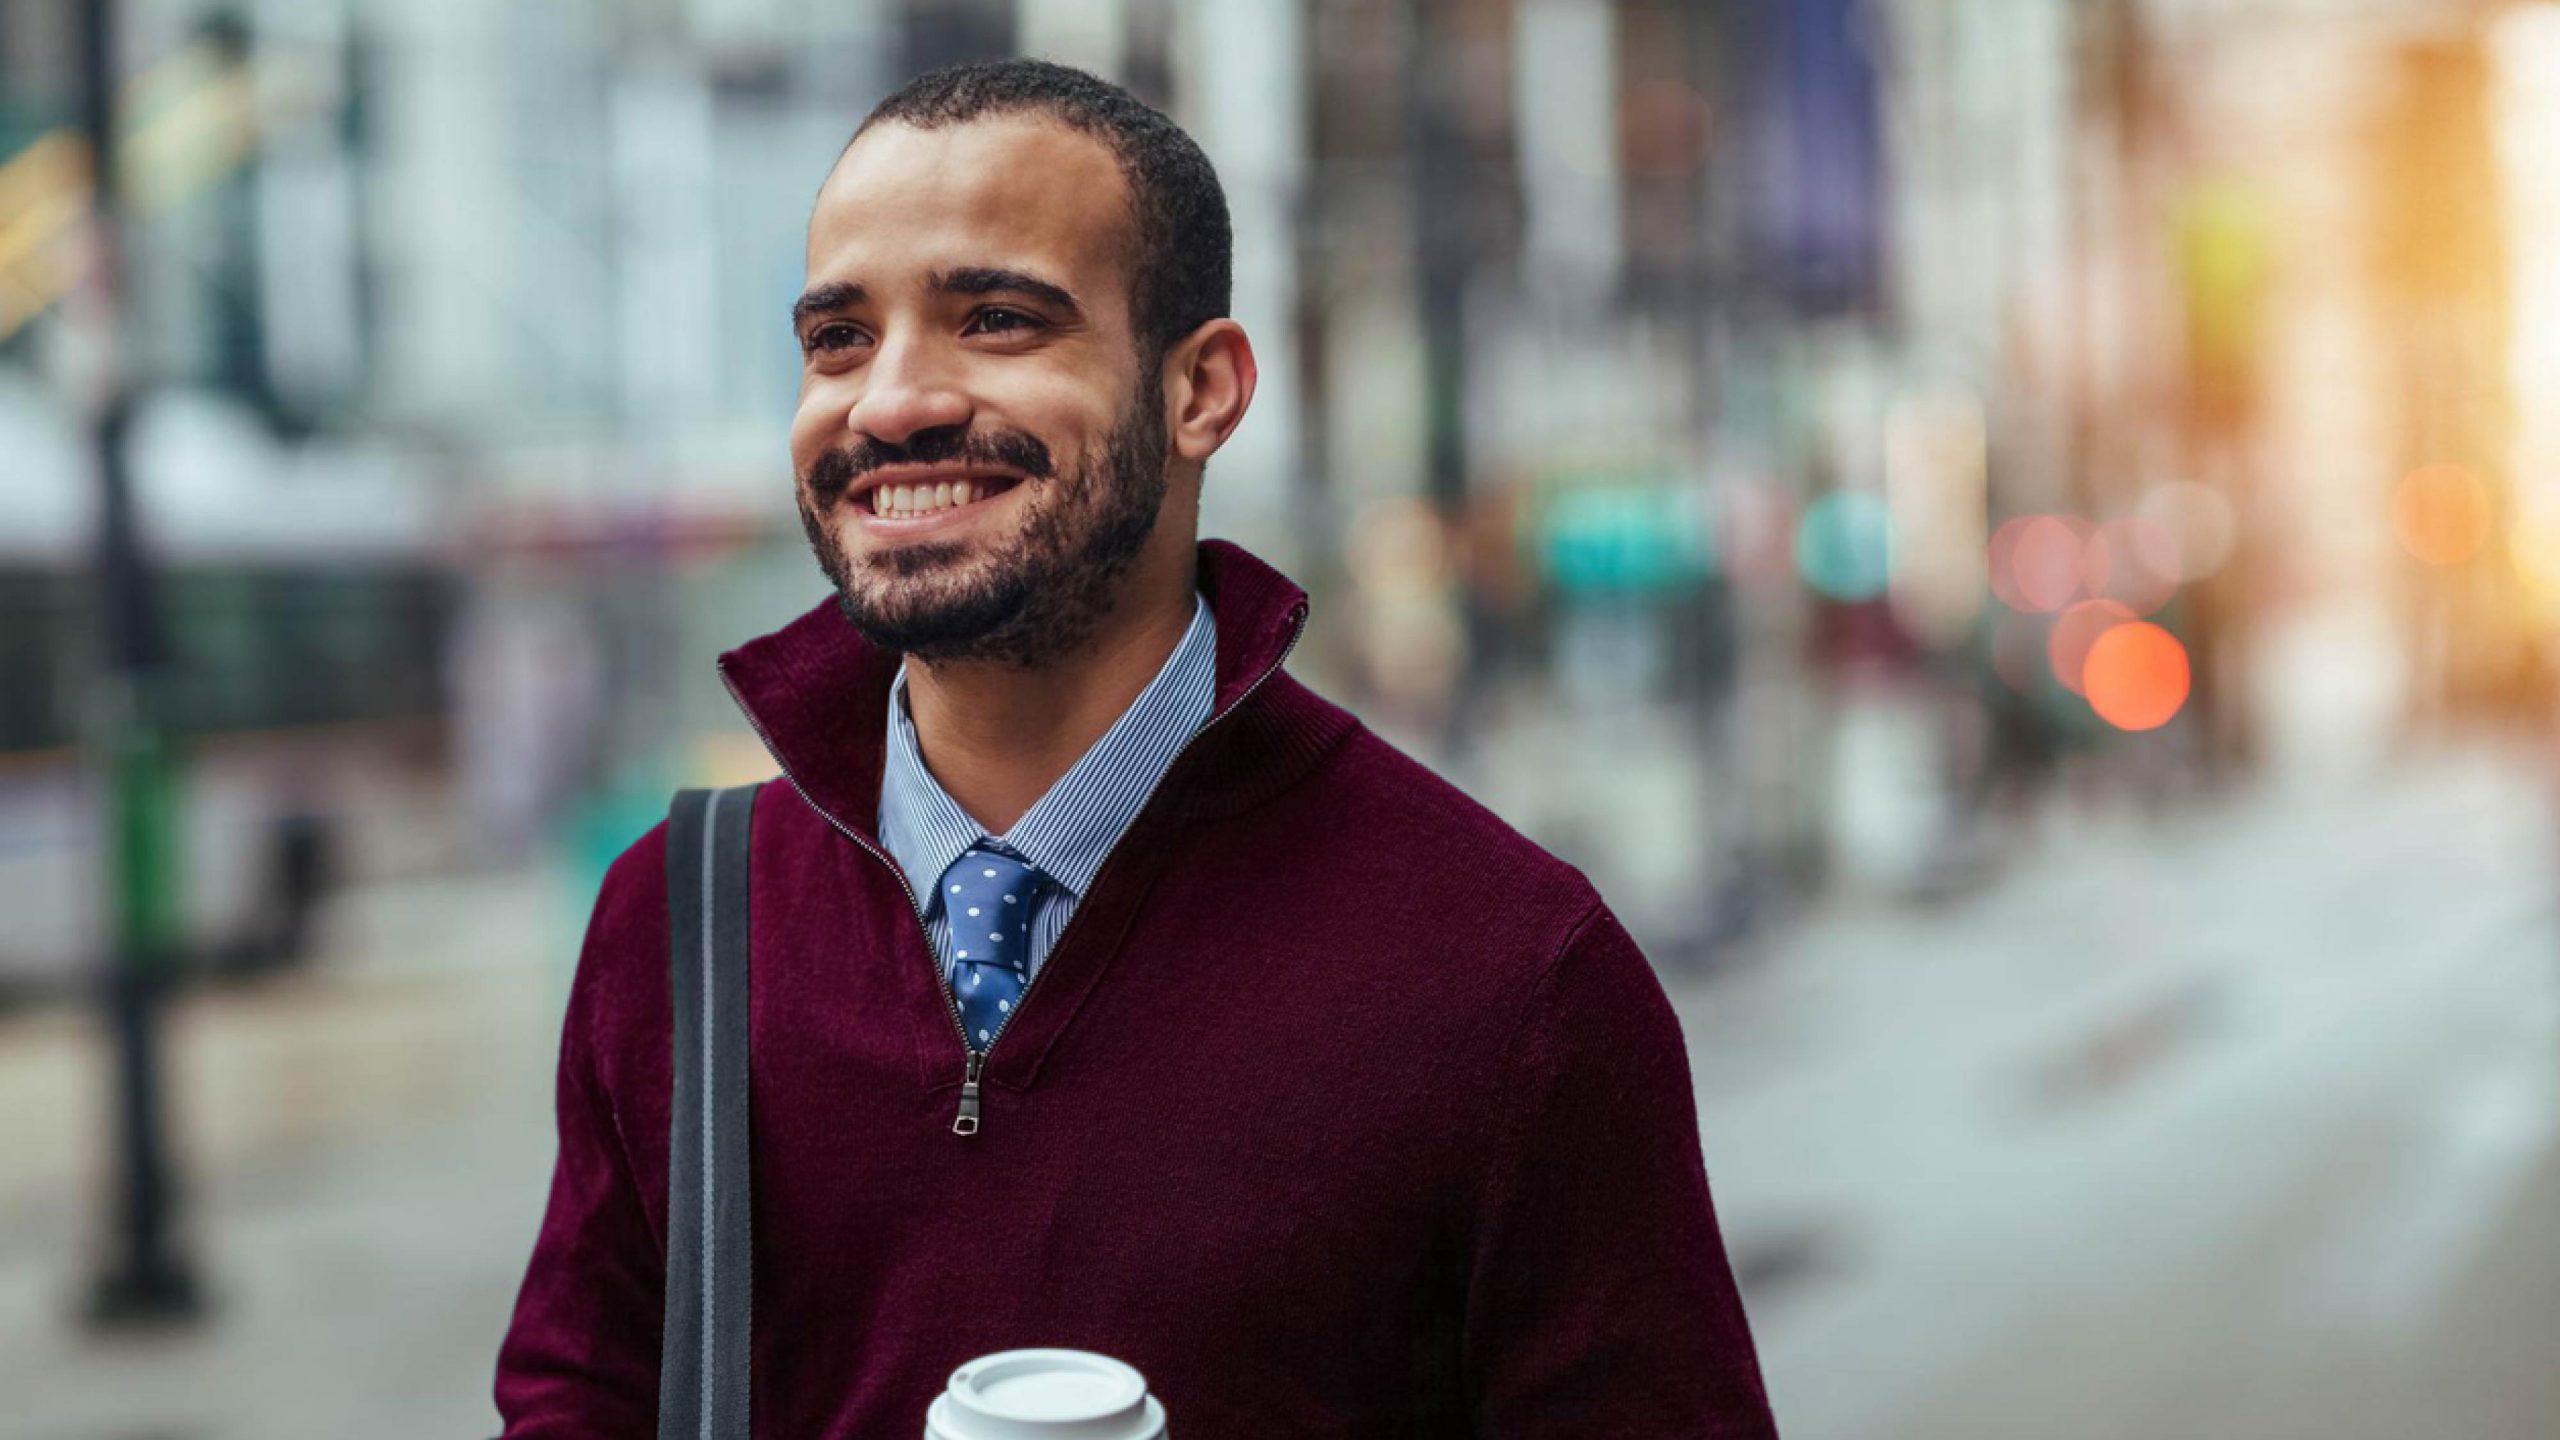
1599, 1298
580, 1357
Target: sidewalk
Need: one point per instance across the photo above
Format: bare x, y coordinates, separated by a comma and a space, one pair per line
2244, 1123
369, 1145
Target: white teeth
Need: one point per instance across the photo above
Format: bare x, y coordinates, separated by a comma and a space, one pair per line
926, 499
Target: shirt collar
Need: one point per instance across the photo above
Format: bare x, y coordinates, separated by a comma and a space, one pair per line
814, 692
1068, 831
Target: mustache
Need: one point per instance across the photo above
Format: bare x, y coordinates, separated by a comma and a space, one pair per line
836, 471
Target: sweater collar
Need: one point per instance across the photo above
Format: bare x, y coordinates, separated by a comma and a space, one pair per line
1069, 830
816, 691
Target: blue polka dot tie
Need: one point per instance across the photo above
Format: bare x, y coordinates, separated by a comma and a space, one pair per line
987, 898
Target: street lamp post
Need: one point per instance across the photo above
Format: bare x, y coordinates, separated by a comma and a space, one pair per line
144, 1277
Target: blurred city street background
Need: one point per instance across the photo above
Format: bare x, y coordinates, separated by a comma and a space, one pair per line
2016, 541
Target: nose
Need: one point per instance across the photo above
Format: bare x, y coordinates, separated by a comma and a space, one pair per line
907, 389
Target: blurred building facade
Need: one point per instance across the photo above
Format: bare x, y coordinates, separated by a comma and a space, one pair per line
1807, 425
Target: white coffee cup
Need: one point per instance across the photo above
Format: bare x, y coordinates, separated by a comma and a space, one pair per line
1045, 1395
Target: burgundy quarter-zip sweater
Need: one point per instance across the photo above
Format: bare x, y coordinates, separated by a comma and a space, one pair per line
1339, 1109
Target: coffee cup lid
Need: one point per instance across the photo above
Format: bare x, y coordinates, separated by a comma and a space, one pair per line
1045, 1395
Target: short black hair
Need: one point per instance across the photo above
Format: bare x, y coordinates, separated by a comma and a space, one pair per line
1183, 272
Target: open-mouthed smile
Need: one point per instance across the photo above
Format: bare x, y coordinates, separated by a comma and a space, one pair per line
912, 502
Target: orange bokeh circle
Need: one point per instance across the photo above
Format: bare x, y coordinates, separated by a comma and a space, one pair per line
2136, 676
2441, 514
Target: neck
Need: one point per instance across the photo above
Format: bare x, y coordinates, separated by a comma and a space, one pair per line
996, 738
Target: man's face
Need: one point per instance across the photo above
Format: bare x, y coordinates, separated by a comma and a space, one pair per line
966, 331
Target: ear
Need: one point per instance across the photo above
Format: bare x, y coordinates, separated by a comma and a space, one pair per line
1208, 382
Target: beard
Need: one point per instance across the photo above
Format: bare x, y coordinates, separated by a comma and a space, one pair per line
1037, 595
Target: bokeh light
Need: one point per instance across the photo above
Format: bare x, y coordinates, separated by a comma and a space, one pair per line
2039, 563
2440, 514
1636, 536
2075, 631
2134, 562
1844, 546
2200, 525
2136, 676
2533, 548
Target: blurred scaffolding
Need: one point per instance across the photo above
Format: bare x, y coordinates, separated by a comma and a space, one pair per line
1774, 452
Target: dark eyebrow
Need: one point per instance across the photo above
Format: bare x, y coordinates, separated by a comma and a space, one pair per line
838, 295
824, 300
993, 280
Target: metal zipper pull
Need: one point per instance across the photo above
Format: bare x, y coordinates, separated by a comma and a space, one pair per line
967, 1123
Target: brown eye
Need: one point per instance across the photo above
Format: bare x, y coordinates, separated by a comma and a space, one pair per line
830, 338
996, 320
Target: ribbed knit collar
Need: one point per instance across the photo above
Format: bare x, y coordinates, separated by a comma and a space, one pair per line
1067, 831
816, 690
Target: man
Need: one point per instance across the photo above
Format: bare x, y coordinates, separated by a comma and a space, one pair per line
1111, 989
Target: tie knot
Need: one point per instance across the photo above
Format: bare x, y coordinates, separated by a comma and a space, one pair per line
988, 898
980, 868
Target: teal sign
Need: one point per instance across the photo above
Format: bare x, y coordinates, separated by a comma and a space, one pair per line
1640, 537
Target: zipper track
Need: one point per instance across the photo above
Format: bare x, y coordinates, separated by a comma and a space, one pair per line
959, 1027
942, 979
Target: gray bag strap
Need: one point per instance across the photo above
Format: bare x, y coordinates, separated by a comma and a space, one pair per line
705, 1359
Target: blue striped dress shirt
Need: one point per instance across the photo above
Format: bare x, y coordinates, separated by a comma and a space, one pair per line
1069, 830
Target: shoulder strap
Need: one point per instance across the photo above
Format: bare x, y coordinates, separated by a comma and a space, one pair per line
703, 1365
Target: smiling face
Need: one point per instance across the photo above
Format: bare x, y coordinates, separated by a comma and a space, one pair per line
981, 462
